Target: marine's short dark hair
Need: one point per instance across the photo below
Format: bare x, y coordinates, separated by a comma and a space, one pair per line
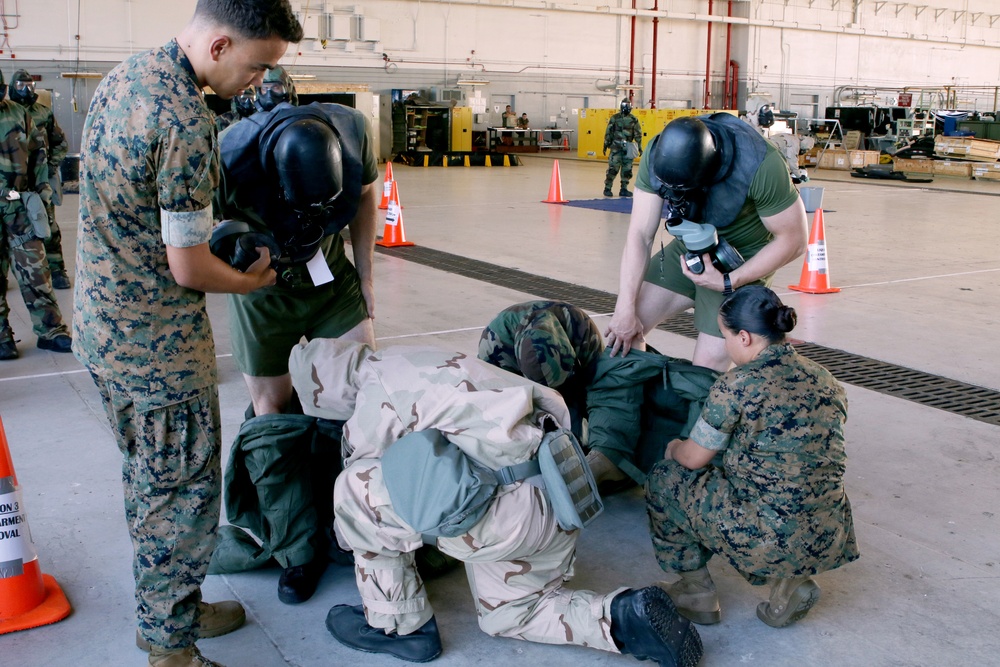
253, 19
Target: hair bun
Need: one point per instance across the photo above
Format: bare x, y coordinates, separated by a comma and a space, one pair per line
785, 319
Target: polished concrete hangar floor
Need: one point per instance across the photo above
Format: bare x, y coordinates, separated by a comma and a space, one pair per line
920, 272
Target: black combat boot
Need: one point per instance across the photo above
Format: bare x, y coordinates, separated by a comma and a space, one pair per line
348, 626
645, 624
59, 279
60, 343
624, 193
8, 350
608, 192
298, 583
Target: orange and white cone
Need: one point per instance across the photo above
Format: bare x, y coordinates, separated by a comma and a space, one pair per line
28, 598
815, 270
555, 187
393, 234
386, 187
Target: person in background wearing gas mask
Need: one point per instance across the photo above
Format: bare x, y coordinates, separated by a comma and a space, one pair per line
24, 192
22, 91
622, 136
278, 87
292, 179
737, 218
242, 106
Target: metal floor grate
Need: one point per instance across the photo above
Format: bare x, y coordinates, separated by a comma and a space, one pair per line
979, 403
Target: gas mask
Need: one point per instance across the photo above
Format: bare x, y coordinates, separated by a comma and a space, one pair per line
244, 104
699, 238
22, 89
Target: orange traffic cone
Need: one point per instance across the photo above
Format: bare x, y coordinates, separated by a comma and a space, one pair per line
28, 598
815, 271
565, 143
393, 235
555, 187
386, 187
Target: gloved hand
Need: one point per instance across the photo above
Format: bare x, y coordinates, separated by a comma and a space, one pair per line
640, 152
45, 192
605, 150
12, 195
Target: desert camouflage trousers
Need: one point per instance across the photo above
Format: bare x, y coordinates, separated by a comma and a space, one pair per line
516, 558
31, 269
171, 475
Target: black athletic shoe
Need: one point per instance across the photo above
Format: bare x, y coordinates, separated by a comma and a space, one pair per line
297, 584
60, 343
348, 626
645, 624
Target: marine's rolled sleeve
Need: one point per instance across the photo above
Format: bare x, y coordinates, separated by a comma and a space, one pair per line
719, 417
187, 175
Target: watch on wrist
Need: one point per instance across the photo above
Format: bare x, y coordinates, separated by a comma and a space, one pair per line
727, 285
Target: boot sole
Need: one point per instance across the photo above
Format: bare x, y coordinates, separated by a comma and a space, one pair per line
801, 601
668, 625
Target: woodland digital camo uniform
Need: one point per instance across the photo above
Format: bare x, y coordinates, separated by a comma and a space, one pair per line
149, 172
621, 130
516, 556
56, 148
23, 167
777, 508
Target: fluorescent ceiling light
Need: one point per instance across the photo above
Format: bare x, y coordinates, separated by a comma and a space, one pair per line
82, 75
471, 82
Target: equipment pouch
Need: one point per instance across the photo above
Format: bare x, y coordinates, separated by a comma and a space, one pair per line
434, 487
569, 483
37, 214
631, 150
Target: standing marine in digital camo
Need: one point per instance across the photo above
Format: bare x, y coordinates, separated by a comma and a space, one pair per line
438, 447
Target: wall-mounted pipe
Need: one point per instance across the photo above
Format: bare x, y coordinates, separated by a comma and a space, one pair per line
708, 62
728, 102
631, 58
656, 30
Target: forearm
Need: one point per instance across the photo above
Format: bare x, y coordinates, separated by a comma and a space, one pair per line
771, 257
198, 269
362, 230
645, 221
689, 454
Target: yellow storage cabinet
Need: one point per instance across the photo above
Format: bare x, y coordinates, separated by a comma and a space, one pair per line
461, 129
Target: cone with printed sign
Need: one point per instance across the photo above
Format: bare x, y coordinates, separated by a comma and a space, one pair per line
386, 187
28, 598
555, 187
393, 235
815, 270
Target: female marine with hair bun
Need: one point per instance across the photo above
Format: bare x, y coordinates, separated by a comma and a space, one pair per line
775, 507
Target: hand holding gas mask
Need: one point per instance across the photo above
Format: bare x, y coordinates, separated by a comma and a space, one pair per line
699, 239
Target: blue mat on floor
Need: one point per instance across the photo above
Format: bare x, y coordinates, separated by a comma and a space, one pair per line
614, 204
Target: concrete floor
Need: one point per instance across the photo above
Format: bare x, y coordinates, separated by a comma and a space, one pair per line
920, 273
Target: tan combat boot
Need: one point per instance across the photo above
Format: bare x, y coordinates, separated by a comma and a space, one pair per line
695, 597
790, 600
189, 656
214, 619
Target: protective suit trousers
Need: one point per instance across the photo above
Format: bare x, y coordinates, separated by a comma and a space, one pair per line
26, 255
516, 558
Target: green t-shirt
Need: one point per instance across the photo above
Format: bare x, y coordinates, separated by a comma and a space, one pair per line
771, 192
